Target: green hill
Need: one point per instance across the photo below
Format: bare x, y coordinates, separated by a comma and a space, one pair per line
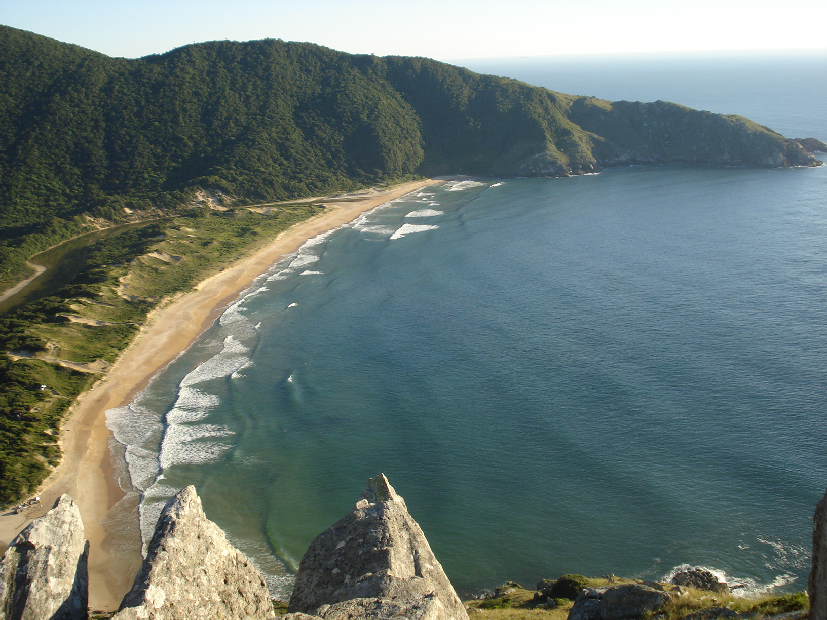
84, 134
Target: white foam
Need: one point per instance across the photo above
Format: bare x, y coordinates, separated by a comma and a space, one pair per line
458, 186
310, 272
408, 229
237, 374
497, 184
143, 466
742, 587
303, 259
131, 424
786, 554
139, 431
361, 222
293, 305
191, 405
185, 444
230, 359
425, 213
378, 230
282, 274
261, 289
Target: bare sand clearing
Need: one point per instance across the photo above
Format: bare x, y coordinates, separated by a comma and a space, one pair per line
88, 473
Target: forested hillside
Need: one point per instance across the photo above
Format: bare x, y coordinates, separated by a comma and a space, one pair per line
84, 134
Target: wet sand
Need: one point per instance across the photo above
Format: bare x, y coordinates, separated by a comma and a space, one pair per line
88, 472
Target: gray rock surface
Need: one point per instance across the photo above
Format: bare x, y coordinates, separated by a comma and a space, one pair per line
43, 574
587, 604
817, 585
631, 601
192, 572
713, 613
617, 603
700, 579
374, 563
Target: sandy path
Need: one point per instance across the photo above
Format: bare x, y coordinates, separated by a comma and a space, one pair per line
38, 269
87, 472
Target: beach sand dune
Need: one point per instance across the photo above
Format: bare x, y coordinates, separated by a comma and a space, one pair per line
87, 472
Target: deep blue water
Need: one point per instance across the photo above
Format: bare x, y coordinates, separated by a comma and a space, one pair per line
617, 373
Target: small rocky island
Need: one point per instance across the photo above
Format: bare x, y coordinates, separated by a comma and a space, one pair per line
375, 563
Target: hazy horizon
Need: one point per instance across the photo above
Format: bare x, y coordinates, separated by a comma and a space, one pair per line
453, 32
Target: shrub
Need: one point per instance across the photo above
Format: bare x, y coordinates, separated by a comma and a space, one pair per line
568, 586
495, 603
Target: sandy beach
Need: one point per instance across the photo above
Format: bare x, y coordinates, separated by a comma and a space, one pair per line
87, 472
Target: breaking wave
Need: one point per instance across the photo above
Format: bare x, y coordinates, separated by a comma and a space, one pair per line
425, 213
408, 229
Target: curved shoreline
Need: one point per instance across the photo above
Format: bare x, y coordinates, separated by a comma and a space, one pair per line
86, 471
14, 290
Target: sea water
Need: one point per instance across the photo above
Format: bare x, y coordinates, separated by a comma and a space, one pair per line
615, 373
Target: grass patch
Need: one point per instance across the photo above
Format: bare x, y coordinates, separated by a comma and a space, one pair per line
93, 318
774, 605
514, 603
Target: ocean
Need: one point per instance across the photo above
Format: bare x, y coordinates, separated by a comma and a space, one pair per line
614, 373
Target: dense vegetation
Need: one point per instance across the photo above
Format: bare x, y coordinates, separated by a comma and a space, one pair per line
84, 135
56, 347
87, 141
512, 602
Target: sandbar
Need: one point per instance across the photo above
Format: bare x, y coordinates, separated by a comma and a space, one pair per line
87, 472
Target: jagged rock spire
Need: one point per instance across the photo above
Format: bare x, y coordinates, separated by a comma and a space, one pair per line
374, 563
43, 573
192, 572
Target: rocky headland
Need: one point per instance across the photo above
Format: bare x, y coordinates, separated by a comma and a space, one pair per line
375, 563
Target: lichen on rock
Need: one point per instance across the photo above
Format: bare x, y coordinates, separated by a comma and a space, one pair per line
43, 574
374, 563
191, 571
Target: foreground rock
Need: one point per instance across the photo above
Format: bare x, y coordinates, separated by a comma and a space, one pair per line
43, 574
374, 563
713, 613
700, 579
192, 572
617, 603
817, 586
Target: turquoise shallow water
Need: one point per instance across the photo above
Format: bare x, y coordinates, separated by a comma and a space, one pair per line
613, 373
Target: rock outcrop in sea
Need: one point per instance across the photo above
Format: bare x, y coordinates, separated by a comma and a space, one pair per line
43, 574
191, 571
817, 585
700, 579
374, 563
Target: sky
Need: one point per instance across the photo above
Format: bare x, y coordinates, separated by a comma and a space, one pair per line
440, 29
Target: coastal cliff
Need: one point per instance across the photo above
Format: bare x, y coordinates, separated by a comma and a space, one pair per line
374, 564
